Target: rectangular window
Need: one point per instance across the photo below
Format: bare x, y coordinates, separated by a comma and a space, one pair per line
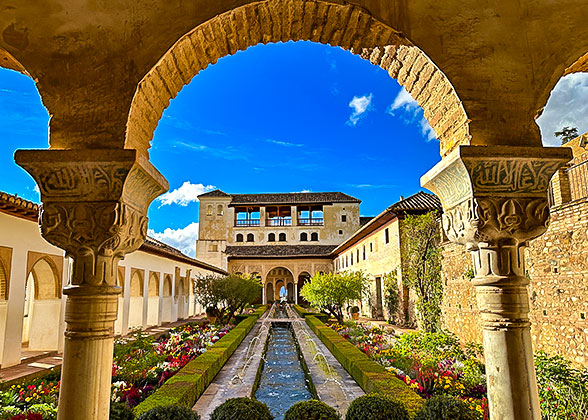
247, 216
278, 216
310, 215
387, 233
364, 252
344, 218
371, 247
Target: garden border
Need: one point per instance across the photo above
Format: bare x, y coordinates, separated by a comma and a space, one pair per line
186, 386
304, 313
370, 375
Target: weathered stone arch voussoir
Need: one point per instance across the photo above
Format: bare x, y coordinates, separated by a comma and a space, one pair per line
344, 25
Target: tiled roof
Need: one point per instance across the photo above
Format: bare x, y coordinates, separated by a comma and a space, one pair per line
17, 206
293, 198
420, 201
158, 247
215, 193
280, 251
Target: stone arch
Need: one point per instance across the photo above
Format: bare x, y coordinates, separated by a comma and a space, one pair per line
8, 61
269, 292
303, 277
42, 305
166, 300
137, 295
167, 285
344, 25
153, 288
136, 284
153, 299
181, 298
278, 277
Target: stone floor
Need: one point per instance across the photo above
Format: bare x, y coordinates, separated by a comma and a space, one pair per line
39, 363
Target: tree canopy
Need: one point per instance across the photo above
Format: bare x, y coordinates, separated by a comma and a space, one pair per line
566, 134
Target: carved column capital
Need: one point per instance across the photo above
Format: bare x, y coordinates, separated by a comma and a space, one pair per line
95, 207
493, 194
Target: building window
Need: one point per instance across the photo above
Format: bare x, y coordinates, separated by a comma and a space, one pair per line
364, 252
209, 210
247, 216
278, 216
310, 215
352, 258
314, 236
271, 237
358, 256
387, 233
282, 237
344, 218
371, 247
239, 237
219, 210
304, 236
346, 261
340, 232
250, 237
213, 247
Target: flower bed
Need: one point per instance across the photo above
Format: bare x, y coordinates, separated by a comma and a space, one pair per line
141, 365
430, 364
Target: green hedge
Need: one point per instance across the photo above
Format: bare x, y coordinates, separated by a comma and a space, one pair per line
186, 386
371, 376
304, 313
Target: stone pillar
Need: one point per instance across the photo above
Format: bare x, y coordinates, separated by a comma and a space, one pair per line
495, 201
296, 293
94, 206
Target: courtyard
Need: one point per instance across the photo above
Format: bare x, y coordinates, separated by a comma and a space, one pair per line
228, 172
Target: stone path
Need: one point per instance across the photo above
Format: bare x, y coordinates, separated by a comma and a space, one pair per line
36, 364
236, 379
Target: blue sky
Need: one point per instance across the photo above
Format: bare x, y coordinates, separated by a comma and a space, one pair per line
275, 118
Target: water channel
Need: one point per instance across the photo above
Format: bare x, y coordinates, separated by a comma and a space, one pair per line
283, 380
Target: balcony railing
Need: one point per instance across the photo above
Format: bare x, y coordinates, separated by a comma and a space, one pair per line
247, 222
279, 221
312, 221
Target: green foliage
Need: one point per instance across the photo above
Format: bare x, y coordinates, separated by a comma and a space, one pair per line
120, 411
566, 134
445, 407
469, 273
311, 410
333, 292
440, 345
48, 411
7, 412
391, 294
563, 389
226, 295
242, 409
376, 407
170, 412
370, 375
421, 259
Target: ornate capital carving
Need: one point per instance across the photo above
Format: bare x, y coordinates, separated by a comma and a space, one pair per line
95, 207
492, 194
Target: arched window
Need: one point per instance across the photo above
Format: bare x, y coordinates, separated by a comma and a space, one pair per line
250, 237
209, 210
314, 236
282, 237
271, 237
219, 210
304, 236
239, 237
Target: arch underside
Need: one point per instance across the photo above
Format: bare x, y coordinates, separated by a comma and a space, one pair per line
343, 25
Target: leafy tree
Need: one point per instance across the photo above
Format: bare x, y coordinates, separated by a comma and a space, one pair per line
391, 294
421, 259
226, 295
566, 134
334, 291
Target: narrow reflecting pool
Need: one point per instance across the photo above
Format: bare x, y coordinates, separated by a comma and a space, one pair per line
282, 382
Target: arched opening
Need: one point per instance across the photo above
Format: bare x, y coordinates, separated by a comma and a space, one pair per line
282, 237
302, 279
314, 236
271, 237
250, 237
153, 299
290, 292
269, 292
181, 300
42, 307
136, 299
278, 277
239, 237
304, 237
166, 307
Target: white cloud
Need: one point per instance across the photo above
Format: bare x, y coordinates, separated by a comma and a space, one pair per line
567, 106
403, 100
409, 111
284, 143
426, 130
184, 195
183, 239
360, 105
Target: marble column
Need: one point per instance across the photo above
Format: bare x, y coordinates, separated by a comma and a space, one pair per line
495, 201
94, 206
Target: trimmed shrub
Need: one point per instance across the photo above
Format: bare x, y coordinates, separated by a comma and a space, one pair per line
170, 412
445, 407
376, 407
311, 410
121, 411
241, 409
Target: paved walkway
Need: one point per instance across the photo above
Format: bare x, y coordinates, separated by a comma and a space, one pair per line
37, 364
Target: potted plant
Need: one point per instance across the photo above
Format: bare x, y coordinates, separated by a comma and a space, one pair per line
211, 314
354, 312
